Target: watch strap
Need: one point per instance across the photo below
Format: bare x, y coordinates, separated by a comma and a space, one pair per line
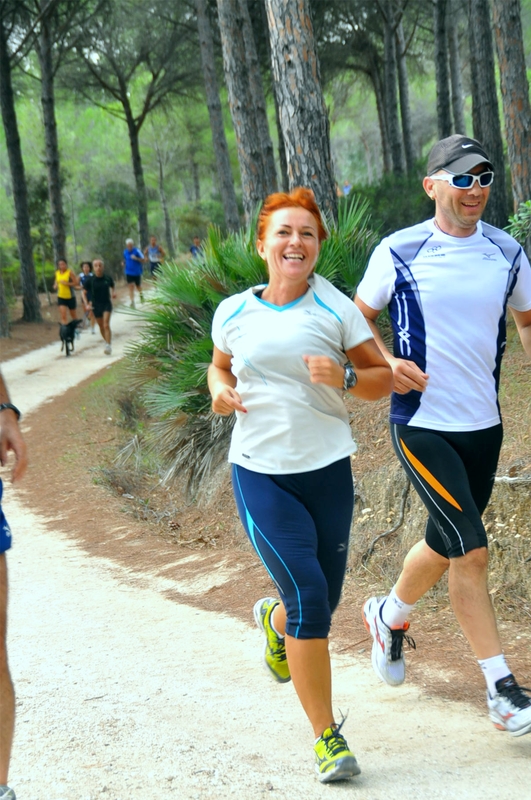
4, 406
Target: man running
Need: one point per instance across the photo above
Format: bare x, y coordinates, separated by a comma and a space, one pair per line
155, 255
447, 283
10, 439
133, 260
98, 293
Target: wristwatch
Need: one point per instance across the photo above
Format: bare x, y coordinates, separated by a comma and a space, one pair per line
350, 379
4, 406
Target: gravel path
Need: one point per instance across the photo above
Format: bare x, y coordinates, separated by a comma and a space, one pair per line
123, 694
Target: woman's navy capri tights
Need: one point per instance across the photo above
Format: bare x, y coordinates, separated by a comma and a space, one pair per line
299, 524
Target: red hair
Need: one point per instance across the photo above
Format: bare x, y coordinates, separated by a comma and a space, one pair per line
298, 198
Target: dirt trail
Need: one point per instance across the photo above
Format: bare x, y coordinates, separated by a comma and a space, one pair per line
123, 693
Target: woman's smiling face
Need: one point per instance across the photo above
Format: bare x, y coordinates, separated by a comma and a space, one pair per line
290, 246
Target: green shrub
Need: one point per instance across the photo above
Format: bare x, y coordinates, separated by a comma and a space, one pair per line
520, 223
396, 201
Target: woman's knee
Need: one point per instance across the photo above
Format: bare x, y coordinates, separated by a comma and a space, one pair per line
309, 616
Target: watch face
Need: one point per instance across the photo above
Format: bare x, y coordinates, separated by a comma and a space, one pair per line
351, 378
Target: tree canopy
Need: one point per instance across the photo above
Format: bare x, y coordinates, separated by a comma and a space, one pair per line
392, 75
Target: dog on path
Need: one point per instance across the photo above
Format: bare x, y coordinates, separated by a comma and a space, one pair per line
67, 334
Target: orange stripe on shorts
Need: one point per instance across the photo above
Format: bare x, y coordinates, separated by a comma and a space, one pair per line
431, 479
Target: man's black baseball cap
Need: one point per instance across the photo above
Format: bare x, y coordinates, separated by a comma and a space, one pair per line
456, 154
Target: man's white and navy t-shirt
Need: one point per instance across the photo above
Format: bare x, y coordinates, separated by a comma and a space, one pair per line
291, 425
447, 299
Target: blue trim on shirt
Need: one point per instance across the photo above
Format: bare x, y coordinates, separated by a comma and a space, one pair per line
327, 308
280, 308
235, 313
407, 319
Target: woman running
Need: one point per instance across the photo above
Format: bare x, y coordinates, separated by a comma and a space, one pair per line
64, 284
284, 353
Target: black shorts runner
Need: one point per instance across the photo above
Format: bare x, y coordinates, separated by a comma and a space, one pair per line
69, 302
136, 279
453, 474
99, 311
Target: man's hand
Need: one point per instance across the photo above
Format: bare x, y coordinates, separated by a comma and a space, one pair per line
325, 370
225, 400
11, 439
407, 376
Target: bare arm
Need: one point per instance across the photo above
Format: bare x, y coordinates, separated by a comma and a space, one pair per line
221, 384
11, 437
523, 324
407, 375
375, 377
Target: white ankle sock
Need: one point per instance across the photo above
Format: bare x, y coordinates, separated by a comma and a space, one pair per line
394, 611
494, 669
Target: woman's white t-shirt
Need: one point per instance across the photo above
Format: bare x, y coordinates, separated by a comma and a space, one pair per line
291, 424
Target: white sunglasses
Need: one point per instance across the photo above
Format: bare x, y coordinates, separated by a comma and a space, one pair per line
466, 180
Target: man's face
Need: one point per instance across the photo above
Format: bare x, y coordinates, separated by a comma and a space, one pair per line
129, 246
458, 211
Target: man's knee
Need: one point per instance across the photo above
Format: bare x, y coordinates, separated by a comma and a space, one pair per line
475, 562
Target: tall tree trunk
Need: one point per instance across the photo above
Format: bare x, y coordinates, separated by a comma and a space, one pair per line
260, 107
194, 166
138, 170
452, 23
442, 77
283, 164
241, 105
486, 116
219, 140
515, 95
284, 180
391, 89
303, 113
4, 309
164, 203
43, 267
405, 110
377, 83
30, 297
44, 53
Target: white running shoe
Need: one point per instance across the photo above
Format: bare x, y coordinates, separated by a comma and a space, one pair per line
6, 793
387, 658
107, 350
510, 708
